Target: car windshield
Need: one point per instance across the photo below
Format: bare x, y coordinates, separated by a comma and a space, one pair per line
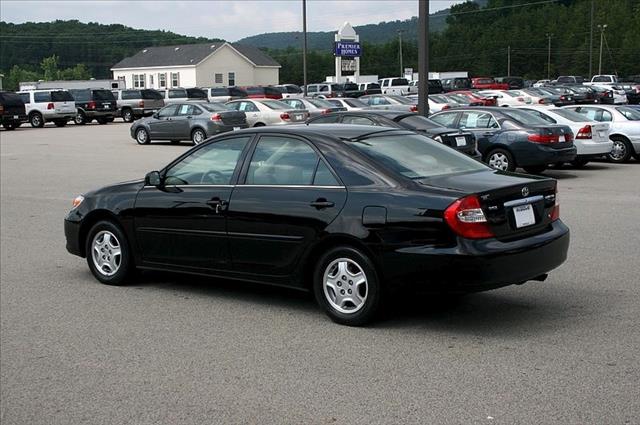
629, 113
524, 117
415, 156
570, 115
61, 96
275, 104
402, 100
415, 121
214, 107
319, 103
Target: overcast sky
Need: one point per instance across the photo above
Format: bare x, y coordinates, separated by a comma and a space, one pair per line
228, 19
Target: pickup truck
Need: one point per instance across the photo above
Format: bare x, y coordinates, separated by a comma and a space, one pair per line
399, 86
486, 83
602, 80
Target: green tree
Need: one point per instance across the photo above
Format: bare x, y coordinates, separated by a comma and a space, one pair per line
49, 67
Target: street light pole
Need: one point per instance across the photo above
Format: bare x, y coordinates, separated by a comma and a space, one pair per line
549, 58
602, 28
400, 51
508, 61
423, 57
591, 43
304, 46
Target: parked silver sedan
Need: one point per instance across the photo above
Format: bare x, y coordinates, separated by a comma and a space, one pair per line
350, 104
261, 112
391, 102
187, 121
314, 106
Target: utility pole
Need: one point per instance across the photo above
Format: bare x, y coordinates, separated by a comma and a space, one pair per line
508, 61
423, 57
304, 46
549, 58
602, 28
400, 49
591, 43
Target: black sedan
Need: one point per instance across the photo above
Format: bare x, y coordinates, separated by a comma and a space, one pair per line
463, 141
510, 138
347, 212
187, 121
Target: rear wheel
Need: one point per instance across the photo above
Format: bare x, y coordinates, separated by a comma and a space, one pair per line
198, 136
535, 169
127, 115
60, 123
102, 120
258, 124
36, 120
500, 159
80, 118
347, 287
108, 253
621, 150
142, 136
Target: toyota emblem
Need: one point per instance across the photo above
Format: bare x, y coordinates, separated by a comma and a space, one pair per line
525, 191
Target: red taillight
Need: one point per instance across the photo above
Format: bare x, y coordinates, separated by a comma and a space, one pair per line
520, 99
555, 211
326, 111
543, 138
541, 101
141, 104
446, 107
285, 116
466, 218
91, 105
51, 106
414, 108
216, 117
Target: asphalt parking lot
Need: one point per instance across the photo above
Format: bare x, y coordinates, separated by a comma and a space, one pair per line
173, 349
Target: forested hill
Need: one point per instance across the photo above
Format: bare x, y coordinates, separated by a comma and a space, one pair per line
95, 45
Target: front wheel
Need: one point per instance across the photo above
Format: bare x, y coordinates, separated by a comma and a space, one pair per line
142, 136
621, 150
108, 254
80, 118
36, 120
198, 136
347, 287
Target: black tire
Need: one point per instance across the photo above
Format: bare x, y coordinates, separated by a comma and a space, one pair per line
102, 120
373, 289
501, 158
124, 263
110, 119
80, 118
198, 136
535, 169
258, 124
579, 162
60, 123
142, 136
621, 150
36, 120
127, 115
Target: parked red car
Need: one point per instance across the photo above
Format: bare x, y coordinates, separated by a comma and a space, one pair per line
488, 83
262, 92
475, 97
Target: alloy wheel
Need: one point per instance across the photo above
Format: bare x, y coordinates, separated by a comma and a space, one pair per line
499, 161
141, 136
198, 137
106, 253
618, 151
345, 285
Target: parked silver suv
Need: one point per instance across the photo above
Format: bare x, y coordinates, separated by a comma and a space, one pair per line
44, 106
179, 95
137, 103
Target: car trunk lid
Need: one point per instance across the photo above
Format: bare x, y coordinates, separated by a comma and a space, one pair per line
233, 118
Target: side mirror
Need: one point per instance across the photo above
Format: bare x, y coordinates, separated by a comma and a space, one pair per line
156, 115
152, 179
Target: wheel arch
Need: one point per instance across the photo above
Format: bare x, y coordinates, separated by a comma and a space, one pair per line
90, 220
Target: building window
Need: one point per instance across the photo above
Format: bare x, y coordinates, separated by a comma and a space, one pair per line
175, 79
139, 80
218, 79
150, 80
162, 80
232, 79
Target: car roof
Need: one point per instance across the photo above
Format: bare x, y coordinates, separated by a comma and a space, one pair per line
335, 131
387, 113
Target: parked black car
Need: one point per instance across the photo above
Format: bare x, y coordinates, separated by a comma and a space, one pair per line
462, 141
454, 84
97, 104
195, 121
344, 211
12, 110
435, 87
509, 138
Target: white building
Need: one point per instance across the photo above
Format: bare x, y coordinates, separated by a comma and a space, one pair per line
197, 65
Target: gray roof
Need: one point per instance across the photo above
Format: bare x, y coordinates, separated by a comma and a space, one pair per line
189, 54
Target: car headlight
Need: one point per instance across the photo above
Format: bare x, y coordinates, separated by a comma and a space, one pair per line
77, 201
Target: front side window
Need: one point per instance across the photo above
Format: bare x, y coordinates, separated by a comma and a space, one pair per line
168, 111
175, 79
212, 164
232, 78
281, 160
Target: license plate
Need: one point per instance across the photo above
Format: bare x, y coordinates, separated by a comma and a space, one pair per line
15, 117
461, 141
524, 215
236, 128
561, 139
298, 116
601, 134
106, 105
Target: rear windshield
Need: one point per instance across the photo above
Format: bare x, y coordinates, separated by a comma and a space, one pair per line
255, 90
418, 122
80, 94
61, 96
373, 86
196, 94
131, 94
103, 95
275, 104
629, 113
570, 115
399, 82
350, 86
214, 107
415, 156
524, 117
11, 99
319, 103
355, 103
150, 95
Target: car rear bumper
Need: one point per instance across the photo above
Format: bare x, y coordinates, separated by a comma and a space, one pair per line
532, 154
478, 265
50, 116
98, 114
11, 118
589, 148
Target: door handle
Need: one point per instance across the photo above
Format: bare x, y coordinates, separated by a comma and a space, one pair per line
321, 203
217, 204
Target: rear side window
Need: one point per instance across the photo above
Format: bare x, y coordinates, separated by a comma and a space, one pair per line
131, 94
219, 92
477, 120
196, 93
42, 96
323, 176
103, 95
282, 161
327, 119
177, 93
61, 96
151, 95
541, 116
